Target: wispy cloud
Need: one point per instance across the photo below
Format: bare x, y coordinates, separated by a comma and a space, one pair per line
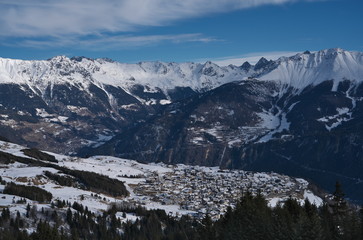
100, 42
44, 18
252, 58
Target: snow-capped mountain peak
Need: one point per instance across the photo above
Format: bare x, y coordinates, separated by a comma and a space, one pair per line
246, 66
262, 63
302, 70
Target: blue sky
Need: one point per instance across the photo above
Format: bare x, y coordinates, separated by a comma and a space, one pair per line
223, 31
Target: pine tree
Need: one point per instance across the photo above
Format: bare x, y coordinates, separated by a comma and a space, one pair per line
340, 211
207, 229
5, 213
339, 204
282, 224
351, 226
27, 210
69, 216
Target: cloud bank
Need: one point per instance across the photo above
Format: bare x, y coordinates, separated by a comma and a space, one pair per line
101, 43
49, 18
252, 58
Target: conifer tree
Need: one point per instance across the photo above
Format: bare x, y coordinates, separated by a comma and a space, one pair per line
339, 204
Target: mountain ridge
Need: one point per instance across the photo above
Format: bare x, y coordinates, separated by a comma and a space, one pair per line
198, 76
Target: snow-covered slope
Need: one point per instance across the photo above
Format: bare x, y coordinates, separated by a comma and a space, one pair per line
306, 69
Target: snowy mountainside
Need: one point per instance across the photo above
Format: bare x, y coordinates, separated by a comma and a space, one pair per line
143, 182
307, 68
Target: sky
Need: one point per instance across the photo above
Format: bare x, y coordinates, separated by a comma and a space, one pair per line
222, 31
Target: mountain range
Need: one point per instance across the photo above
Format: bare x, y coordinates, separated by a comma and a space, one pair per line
300, 115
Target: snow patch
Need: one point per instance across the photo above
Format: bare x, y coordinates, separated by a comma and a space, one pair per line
344, 115
165, 101
313, 198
